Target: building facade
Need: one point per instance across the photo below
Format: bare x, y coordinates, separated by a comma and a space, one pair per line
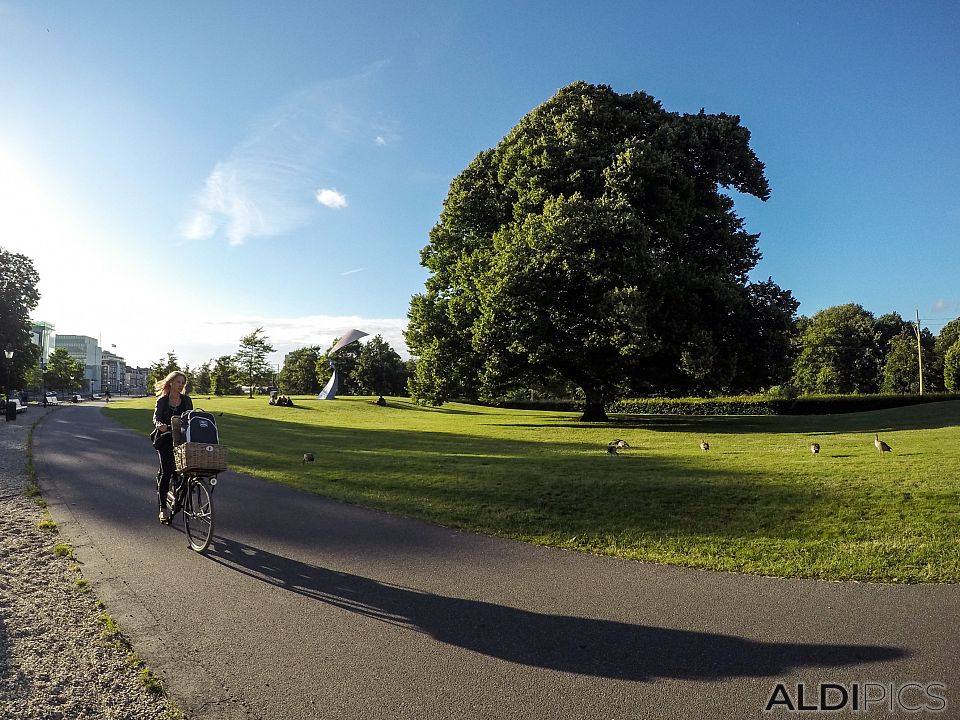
113, 371
44, 335
135, 380
85, 350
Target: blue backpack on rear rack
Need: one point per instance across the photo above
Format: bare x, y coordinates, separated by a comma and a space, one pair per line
198, 426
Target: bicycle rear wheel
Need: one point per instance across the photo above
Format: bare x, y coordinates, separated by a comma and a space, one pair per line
198, 515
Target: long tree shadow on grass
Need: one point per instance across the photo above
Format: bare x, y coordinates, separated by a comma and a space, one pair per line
585, 646
517, 488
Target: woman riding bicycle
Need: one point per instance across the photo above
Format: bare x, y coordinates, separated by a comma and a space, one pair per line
171, 401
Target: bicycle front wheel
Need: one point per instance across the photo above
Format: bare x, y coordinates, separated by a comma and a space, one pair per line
198, 515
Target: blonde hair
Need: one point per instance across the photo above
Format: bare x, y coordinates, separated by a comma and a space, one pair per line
162, 387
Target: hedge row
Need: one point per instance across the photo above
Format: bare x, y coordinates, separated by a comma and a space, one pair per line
760, 405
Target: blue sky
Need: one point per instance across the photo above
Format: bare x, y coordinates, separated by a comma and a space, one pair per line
249, 164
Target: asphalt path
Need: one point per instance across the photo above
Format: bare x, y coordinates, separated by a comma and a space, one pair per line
310, 608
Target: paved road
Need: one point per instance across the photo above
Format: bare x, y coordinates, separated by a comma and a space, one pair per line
307, 608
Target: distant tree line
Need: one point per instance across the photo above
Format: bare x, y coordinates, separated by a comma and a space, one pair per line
846, 349
371, 368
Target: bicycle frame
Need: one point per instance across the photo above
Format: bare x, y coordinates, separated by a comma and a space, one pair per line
185, 490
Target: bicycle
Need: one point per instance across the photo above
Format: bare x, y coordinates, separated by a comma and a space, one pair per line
191, 490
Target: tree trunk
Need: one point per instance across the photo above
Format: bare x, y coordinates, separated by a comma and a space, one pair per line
593, 408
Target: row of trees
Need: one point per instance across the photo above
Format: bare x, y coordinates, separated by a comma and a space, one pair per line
371, 368
846, 349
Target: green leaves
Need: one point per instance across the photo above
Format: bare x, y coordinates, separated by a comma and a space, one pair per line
593, 242
251, 359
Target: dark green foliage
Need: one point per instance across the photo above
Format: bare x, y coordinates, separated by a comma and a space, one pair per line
200, 380
901, 370
839, 352
18, 297
63, 372
251, 359
299, 373
379, 369
593, 243
951, 367
224, 377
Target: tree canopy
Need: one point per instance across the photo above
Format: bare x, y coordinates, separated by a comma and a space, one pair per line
224, 376
839, 353
251, 358
63, 372
594, 242
299, 373
18, 297
379, 370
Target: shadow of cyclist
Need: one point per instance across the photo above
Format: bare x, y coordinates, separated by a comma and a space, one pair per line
589, 646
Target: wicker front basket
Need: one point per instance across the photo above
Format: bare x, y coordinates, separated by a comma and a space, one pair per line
200, 457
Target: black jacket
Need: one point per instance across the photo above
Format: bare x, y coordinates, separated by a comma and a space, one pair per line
162, 413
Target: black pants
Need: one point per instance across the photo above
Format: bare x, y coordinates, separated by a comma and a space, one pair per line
167, 469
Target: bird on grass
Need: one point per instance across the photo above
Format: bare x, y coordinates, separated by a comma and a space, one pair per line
880, 445
704, 445
614, 445
815, 448
307, 457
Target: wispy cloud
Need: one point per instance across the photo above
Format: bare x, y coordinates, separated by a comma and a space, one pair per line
352, 272
944, 305
380, 140
266, 186
330, 198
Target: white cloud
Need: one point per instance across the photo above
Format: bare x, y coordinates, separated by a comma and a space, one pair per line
380, 140
264, 186
352, 272
330, 198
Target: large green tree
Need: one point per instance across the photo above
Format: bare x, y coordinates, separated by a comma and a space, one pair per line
18, 297
200, 379
840, 352
901, 369
251, 359
951, 367
224, 377
379, 370
299, 373
948, 336
593, 242
63, 372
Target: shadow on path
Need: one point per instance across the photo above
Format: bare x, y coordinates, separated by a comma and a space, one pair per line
587, 646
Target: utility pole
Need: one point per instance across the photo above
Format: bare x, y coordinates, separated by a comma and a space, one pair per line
919, 351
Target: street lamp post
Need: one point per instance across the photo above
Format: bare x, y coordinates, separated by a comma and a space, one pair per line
8, 354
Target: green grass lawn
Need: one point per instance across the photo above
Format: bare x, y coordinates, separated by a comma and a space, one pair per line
758, 501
